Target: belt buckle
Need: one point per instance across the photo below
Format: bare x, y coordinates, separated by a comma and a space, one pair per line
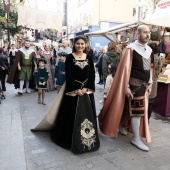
144, 84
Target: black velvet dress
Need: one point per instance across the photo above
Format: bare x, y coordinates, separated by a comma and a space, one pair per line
76, 125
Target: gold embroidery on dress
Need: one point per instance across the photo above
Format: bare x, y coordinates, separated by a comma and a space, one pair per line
87, 134
81, 64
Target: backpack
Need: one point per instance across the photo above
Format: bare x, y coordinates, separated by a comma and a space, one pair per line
167, 47
114, 62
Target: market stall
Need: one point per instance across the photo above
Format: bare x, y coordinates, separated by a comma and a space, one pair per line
110, 32
158, 21
161, 104
161, 17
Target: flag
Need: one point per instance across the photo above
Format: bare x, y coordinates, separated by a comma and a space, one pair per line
6, 5
39, 19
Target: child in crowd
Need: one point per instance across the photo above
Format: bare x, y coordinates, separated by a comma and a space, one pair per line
41, 76
109, 80
60, 71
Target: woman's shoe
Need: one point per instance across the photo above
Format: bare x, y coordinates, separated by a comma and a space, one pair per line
99, 82
43, 103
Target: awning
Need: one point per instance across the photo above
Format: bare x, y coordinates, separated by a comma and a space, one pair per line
161, 17
112, 30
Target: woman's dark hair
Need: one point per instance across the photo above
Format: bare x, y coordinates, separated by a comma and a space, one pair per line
111, 46
79, 38
113, 67
154, 47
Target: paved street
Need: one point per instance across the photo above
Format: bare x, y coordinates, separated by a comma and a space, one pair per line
20, 149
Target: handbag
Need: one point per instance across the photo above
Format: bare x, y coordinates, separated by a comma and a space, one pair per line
136, 106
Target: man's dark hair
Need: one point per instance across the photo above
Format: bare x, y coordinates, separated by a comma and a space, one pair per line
27, 40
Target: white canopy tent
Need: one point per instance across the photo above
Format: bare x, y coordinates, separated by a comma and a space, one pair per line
161, 16
112, 30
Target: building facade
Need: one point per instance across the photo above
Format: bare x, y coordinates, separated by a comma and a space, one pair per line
85, 16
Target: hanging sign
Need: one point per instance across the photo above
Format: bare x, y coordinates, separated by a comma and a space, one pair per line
163, 4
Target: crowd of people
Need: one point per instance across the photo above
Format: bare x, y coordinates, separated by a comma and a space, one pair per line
128, 79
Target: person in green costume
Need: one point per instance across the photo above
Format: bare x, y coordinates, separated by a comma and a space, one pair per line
21, 73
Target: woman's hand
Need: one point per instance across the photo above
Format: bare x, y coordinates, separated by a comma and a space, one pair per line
84, 90
80, 92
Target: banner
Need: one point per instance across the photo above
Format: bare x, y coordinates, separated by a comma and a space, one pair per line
39, 19
6, 5
163, 4
161, 16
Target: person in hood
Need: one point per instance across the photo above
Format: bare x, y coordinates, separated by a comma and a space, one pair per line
111, 56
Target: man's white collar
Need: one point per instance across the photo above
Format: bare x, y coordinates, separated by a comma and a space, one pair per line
144, 50
26, 51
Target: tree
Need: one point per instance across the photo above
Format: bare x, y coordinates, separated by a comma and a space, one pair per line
12, 22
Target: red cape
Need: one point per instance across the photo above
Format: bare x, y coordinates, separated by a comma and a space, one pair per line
111, 113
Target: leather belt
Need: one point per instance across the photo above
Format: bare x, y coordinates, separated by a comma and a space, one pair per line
137, 82
26, 66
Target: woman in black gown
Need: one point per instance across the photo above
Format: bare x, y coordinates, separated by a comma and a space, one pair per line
76, 126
